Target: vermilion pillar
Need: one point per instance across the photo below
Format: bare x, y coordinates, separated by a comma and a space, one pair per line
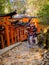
2, 41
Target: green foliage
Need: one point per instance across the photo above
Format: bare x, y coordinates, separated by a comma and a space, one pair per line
19, 6
35, 5
3, 5
44, 13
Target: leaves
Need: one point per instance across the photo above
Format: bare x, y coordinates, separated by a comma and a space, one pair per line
35, 5
5, 4
19, 6
44, 12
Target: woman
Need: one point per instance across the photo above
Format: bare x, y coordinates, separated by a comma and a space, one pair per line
32, 34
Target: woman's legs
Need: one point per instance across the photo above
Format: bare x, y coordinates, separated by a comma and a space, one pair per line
36, 41
30, 41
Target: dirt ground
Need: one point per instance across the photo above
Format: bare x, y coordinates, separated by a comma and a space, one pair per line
22, 55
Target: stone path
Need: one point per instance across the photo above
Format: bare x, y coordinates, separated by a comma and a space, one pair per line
22, 55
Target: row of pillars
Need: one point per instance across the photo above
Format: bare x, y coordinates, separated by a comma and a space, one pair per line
10, 34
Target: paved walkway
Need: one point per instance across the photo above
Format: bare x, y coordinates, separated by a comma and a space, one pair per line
22, 55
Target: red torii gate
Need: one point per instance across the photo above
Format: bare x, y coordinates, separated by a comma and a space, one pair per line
5, 23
